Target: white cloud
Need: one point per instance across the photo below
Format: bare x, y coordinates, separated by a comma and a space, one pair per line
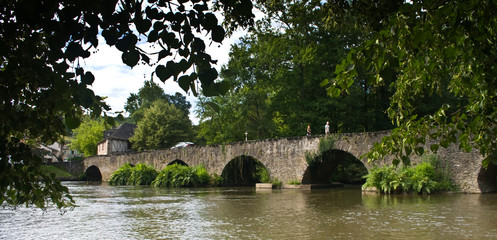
115, 80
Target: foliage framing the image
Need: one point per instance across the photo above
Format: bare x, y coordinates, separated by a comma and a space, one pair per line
44, 87
425, 48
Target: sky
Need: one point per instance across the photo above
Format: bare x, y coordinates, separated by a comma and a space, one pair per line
116, 81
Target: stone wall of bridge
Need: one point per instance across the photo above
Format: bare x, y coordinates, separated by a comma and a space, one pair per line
285, 158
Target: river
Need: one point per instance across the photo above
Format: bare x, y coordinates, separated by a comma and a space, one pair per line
129, 212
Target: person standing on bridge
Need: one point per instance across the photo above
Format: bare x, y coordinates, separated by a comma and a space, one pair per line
308, 130
327, 128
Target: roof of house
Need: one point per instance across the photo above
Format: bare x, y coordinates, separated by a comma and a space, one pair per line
121, 132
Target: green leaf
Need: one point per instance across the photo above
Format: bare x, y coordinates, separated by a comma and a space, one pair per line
185, 82
127, 42
198, 45
153, 36
209, 90
210, 21
333, 91
131, 57
143, 25
434, 147
208, 76
218, 34
71, 122
223, 87
88, 78
163, 73
419, 150
213, 105
324, 83
164, 53
110, 36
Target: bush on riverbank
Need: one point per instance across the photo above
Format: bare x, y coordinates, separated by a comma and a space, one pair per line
426, 177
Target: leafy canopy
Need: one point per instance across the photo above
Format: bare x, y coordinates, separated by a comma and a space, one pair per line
43, 86
87, 135
274, 75
148, 94
162, 126
427, 48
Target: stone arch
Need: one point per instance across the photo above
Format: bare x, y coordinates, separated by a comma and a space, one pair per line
93, 173
487, 178
327, 165
243, 170
178, 161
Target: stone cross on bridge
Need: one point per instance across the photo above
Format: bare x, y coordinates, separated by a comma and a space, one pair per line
285, 158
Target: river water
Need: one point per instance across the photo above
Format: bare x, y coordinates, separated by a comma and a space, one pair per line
129, 212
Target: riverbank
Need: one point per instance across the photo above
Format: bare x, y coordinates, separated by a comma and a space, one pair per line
60, 174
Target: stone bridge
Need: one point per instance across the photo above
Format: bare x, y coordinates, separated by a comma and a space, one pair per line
285, 159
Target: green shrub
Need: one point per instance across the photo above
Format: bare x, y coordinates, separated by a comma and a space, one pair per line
276, 183
294, 182
385, 179
121, 176
203, 176
311, 159
216, 180
327, 143
142, 174
178, 176
423, 178
261, 174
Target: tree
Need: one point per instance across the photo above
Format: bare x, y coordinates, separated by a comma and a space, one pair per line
148, 94
87, 135
275, 75
434, 48
43, 87
162, 126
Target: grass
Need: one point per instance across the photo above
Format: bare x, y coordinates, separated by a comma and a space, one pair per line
59, 172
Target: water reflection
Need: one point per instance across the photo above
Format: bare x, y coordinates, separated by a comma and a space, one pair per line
108, 212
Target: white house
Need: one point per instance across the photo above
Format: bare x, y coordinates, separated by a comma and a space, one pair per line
116, 140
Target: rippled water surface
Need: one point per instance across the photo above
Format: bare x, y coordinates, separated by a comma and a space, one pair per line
109, 212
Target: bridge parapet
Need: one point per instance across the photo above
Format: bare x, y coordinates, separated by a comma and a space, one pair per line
285, 158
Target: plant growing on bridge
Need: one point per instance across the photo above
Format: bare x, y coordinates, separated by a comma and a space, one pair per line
325, 144
294, 182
